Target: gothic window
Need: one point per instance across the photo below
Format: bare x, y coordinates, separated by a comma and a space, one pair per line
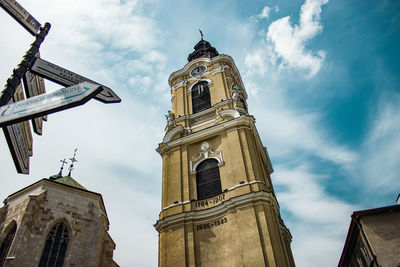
56, 246
200, 97
207, 179
6, 244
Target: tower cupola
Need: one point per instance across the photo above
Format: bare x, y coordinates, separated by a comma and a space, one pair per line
203, 49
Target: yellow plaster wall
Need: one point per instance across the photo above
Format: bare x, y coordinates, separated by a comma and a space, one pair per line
251, 236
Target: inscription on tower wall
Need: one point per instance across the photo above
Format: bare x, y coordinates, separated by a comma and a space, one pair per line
209, 202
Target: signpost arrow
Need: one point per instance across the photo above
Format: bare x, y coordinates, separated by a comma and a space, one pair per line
67, 78
48, 103
21, 15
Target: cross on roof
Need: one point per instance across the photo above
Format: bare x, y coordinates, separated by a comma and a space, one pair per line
73, 159
62, 166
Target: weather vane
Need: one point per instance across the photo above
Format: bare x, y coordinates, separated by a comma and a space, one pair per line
73, 159
62, 166
201, 34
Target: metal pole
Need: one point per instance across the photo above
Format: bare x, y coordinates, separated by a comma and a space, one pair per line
26, 63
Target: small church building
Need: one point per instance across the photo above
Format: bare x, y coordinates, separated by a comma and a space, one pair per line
55, 222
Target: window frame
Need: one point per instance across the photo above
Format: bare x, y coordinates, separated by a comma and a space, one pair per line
7, 241
58, 239
202, 100
208, 180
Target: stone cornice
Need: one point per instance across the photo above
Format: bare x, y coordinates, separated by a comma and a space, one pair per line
241, 121
229, 206
46, 182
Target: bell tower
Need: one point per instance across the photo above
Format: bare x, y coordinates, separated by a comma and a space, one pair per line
218, 204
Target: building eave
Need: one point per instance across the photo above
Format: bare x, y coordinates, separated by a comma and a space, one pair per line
46, 181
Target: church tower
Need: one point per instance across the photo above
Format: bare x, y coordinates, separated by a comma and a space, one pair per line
218, 204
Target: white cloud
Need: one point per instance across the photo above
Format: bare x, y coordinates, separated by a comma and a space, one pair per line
304, 197
265, 12
296, 131
382, 166
289, 42
259, 61
263, 15
321, 220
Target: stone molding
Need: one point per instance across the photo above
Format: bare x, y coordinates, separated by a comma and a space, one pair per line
168, 136
231, 205
225, 191
210, 110
229, 113
179, 84
205, 153
241, 121
209, 81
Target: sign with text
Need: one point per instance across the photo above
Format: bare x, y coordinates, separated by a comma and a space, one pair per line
23, 17
48, 103
19, 139
18, 96
67, 78
34, 85
18, 147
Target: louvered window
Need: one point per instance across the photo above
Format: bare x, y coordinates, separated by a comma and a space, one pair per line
6, 244
208, 179
200, 97
56, 246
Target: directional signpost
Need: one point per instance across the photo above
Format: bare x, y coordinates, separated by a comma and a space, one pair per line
15, 112
48, 103
21, 15
65, 77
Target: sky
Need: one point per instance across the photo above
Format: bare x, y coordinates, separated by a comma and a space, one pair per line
322, 79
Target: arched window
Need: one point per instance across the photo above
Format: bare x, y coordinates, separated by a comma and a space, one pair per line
200, 97
207, 179
56, 245
6, 244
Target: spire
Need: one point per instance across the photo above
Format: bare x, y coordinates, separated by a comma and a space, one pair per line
67, 180
202, 49
62, 166
73, 159
201, 35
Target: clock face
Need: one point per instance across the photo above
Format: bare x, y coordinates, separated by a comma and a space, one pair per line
198, 70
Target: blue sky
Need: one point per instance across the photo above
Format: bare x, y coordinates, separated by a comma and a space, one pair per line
323, 84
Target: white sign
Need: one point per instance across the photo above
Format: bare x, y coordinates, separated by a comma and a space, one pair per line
48, 103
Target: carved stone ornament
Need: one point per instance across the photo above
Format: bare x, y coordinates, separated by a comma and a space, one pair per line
170, 117
205, 153
237, 93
